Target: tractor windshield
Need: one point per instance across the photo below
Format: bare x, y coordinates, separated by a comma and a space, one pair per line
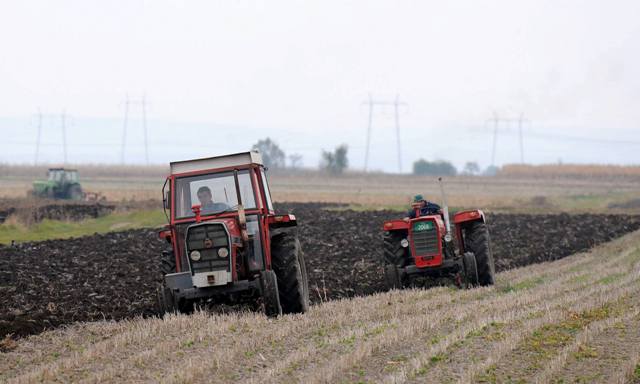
55, 175
214, 193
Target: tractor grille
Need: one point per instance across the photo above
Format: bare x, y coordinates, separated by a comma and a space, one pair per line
426, 241
208, 239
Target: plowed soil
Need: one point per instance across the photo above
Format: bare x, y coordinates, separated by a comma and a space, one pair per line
113, 276
30, 211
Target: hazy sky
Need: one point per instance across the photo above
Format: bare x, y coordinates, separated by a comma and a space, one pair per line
234, 71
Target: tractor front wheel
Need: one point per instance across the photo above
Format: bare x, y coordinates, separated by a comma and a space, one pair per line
392, 277
477, 241
470, 270
270, 295
394, 252
287, 260
166, 300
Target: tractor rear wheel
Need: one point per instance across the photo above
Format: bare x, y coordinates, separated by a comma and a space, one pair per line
270, 295
477, 240
470, 270
394, 253
287, 260
75, 192
392, 277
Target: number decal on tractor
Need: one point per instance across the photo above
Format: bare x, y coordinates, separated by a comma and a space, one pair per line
423, 226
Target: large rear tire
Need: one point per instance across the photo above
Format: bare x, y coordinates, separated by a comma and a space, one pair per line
477, 240
75, 192
270, 295
287, 261
394, 253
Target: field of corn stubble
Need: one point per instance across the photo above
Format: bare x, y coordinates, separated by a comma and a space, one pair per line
571, 320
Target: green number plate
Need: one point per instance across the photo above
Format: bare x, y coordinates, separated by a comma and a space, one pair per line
423, 226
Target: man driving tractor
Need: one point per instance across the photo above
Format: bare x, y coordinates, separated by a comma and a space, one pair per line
426, 208
206, 201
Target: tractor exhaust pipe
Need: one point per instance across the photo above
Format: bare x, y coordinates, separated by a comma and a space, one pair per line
445, 210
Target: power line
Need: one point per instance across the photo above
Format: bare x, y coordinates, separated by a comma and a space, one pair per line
63, 128
496, 129
396, 107
142, 102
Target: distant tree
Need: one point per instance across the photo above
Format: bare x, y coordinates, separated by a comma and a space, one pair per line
335, 162
272, 155
434, 168
295, 160
471, 168
491, 170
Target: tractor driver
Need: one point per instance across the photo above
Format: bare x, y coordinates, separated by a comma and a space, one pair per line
206, 201
426, 208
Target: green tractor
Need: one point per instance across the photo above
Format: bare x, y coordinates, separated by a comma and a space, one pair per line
60, 184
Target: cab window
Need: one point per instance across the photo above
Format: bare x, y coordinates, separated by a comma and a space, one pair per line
215, 193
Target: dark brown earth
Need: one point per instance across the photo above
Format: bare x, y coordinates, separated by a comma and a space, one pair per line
113, 276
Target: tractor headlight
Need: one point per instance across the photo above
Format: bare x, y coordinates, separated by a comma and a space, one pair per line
195, 255
447, 237
223, 252
404, 243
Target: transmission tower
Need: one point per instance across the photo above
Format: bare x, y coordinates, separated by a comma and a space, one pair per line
496, 120
142, 103
396, 103
40, 118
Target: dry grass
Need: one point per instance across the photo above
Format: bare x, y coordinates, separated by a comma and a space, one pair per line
571, 170
529, 327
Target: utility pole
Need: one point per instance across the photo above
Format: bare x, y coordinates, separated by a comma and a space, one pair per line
125, 125
39, 118
520, 137
496, 129
366, 153
64, 135
382, 103
144, 127
397, 118
495, 138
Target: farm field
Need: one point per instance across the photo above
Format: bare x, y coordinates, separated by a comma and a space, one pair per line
572, 320
578, 189
562, 310
114, 275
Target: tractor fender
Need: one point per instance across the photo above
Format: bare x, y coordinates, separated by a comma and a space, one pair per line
282, 221
394, 225
467, 216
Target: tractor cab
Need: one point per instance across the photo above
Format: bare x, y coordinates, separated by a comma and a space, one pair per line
222, 229
61, 175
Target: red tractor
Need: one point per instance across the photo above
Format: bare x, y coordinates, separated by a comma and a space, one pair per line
423, 248
227, 243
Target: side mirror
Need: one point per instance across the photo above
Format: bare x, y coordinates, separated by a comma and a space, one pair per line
165, 201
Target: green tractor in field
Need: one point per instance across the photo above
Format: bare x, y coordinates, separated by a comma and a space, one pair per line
60, 184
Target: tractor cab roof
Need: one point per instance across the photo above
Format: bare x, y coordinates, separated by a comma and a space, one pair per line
217, 162
63, 169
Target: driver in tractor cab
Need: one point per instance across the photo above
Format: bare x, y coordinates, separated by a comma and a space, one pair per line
206, 201
426, 208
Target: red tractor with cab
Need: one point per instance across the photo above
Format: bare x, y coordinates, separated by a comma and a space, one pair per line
423, 248
227, 242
